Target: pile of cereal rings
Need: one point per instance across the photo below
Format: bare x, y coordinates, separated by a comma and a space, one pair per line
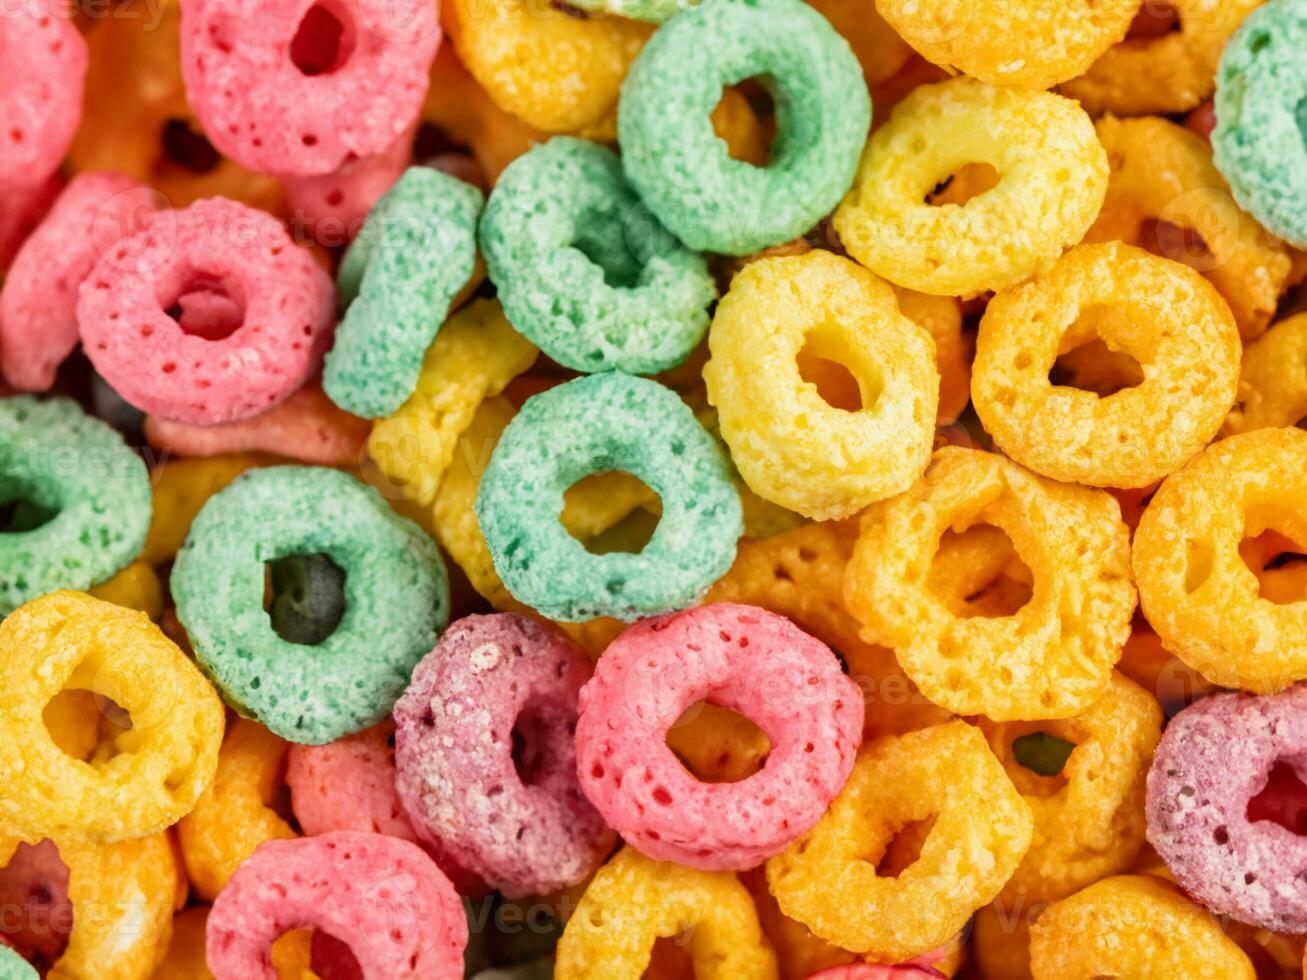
606, 489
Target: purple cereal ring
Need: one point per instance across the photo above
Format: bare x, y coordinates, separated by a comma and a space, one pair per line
739, 657
1207, 784
875, 971
521, 824
214, 246
43, 62
384, 897
38, 306
299, 88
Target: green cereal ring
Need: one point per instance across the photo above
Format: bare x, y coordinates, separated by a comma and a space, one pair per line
583, 271
14, 967
396, 600
654, 11
414, 253
592, 425
682, 169
79, 499
1260, 140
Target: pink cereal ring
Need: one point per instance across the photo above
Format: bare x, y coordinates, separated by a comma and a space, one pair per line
307, 427
43, 62
488, 678
384, 897
302, 87
21, 208
38, 306
739, 657
334, 205
214, 245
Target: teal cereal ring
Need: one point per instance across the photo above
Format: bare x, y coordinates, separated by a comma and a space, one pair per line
582, 270
414, 253
682, 169
80, 499
14, 967
395, 590
595, 424
1260, 140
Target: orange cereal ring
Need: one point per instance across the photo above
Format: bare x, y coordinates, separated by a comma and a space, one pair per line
307, 427
977, 572
185, 957
1000, 940
1170, 72
233, 815
979, 827
552, 69
137, 119
1132, 926
1165, 194
181, 487
137, 587
1052, 178
1272, 380
1027, 44
941, 316
791, 446
154, 771
1167, 316
875, 44
1194, 586
799, 953
1154, 668
1089, 813
1052, 658
633, 901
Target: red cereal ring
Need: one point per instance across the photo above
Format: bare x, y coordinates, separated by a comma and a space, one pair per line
738, 657
488, 678
384, 897
42, 67
213, 246
301, 87
38, 306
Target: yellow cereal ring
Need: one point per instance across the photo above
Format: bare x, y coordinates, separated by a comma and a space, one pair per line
1132, 926
1089, 817
1053, 657
1165, 192
557, 72
1174, 323
633, 901
1022, 43
137, 587
1194, 586
474, 356
790, 446
799, 575
181, 487
122, 897
981, 827
1273, 379
1000, 940
153, 773
233, 816
1166, 74
1052, 178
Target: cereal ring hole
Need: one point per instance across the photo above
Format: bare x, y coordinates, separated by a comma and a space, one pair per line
304, 597
207, 306
1178, 243
903, 848
1091, 356
532, 743
849, 388
996, 583
716, 744
968, 181
38, 912
1300, 114
1280, 565
23, 513
87, 725
1283, 800
629, 534
185, 146
331, 958
757, 93
324, 40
